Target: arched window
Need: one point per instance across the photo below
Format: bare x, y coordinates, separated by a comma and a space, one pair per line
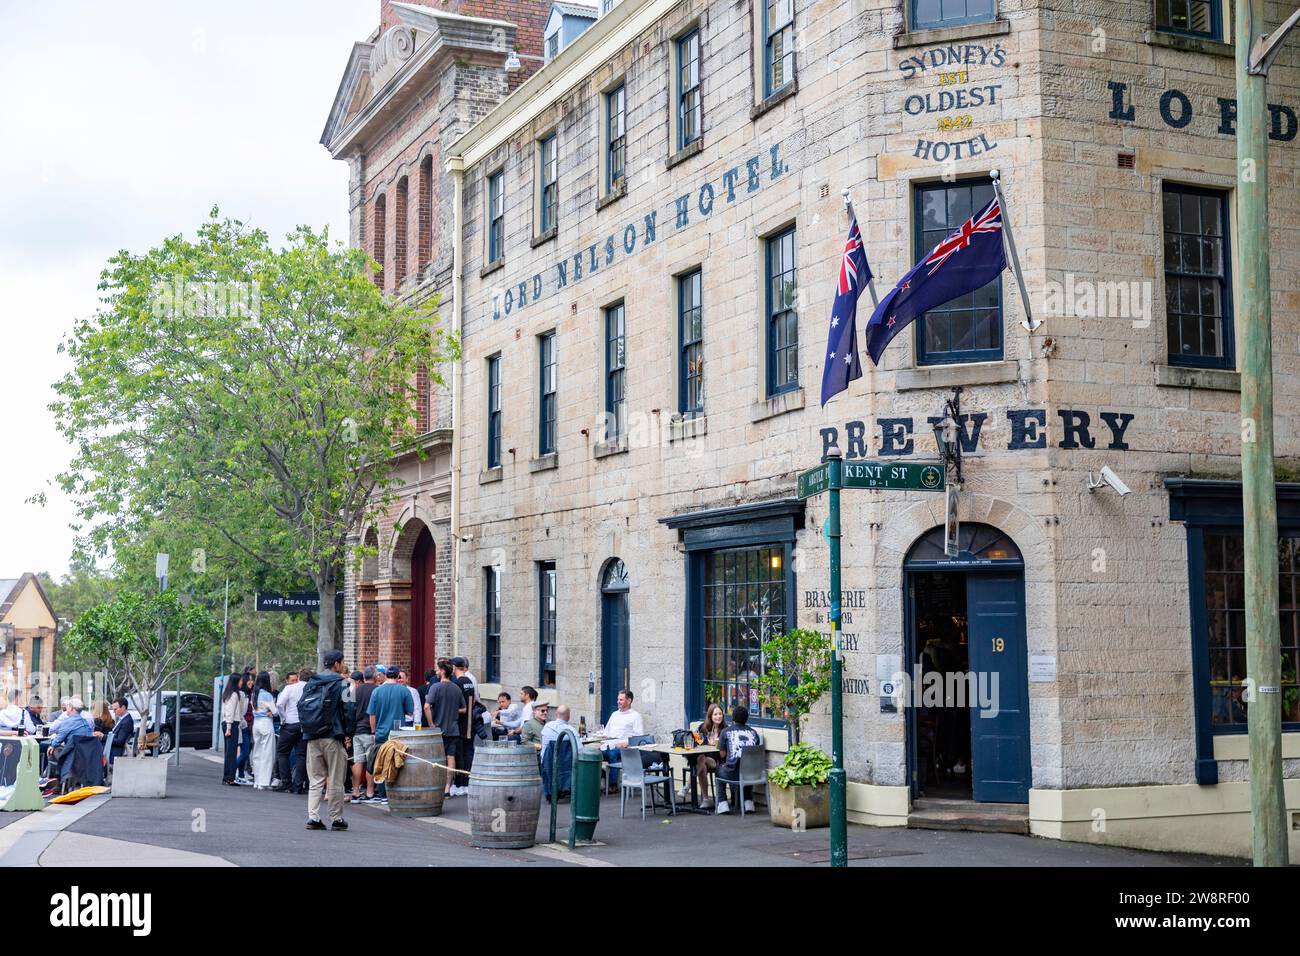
400, 229
377, 246
424, 252
975, 542
615, 577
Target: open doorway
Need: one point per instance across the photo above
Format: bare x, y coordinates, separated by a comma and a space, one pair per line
940, 647
967, 660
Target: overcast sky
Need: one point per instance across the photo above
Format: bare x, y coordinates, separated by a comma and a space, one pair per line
124, 123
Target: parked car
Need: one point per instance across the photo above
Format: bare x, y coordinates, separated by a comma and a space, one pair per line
196, 720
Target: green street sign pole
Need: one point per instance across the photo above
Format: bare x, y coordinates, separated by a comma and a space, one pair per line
1259, 505
839, 804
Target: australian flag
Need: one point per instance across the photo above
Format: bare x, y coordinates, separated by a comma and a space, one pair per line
842, 362
967, 260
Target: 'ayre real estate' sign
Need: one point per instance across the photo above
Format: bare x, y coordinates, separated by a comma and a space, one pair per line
723, 188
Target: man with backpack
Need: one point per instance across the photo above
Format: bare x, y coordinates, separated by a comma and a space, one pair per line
325, 723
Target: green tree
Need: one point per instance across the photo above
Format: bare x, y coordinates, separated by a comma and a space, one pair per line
123, 635
239, 407
797, 672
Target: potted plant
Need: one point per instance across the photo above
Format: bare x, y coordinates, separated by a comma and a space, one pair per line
798, 673
127, 635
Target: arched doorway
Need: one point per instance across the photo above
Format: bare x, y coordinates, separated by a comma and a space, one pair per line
615, 652
423, 606
967, 665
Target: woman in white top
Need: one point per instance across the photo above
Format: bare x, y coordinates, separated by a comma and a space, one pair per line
263, 732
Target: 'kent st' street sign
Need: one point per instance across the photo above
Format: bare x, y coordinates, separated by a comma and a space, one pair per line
889, 475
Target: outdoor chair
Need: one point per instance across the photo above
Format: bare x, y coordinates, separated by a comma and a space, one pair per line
752, 772
87, 766
635, 776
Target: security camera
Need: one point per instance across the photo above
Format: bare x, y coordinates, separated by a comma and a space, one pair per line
1108, 477
466, 538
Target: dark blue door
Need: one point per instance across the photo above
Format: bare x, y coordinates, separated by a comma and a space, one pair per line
999, 722
614, 651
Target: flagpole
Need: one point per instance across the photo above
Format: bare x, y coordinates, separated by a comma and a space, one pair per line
1029, 324
871, 282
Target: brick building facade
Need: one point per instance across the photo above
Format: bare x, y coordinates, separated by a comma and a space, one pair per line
427, 74
652, 230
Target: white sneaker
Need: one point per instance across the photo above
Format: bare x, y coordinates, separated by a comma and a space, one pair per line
722, 807
464, 791
706, 803
682, 793
749, 806
275, 782
959, 767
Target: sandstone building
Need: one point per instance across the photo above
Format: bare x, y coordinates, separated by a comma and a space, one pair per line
642, 262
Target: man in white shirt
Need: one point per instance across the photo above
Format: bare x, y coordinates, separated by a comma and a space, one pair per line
621, 725
15, 718
291, 739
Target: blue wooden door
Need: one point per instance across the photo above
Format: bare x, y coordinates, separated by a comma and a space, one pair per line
999, 720
614, 657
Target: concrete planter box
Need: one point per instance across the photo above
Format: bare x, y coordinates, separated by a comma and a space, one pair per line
140, 777
808, 805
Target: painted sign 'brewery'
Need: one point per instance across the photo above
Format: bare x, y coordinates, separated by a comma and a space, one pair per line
1028, 431
735, 184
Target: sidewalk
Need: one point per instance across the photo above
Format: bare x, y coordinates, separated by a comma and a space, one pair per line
210, 824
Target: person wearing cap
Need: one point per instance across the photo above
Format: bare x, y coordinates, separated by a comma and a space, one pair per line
390, 704
469, 687
327, 756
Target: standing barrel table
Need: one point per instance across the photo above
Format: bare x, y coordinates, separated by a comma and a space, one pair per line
419, 788
505, 796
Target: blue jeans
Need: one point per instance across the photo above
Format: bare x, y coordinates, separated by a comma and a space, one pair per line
245, 750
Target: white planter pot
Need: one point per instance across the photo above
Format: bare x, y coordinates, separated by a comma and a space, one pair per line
140, 777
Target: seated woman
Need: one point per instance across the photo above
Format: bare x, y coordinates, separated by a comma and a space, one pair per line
711, 728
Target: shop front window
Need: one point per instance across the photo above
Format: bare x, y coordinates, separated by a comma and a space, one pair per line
1225, 607
744, 605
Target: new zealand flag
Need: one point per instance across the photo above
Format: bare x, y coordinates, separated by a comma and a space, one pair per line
967, 260
842, 362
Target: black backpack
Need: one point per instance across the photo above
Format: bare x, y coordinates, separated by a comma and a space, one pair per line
318, 707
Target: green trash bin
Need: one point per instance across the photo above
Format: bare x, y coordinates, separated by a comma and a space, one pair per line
586, 793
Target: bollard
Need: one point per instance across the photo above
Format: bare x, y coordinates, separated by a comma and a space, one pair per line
585, 795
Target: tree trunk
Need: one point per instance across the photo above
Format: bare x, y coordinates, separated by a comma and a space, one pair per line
327, 632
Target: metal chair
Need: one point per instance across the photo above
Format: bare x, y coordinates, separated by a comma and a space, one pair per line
752, 772
634, 776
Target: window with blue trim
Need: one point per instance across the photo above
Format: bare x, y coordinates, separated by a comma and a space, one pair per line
782, 314
615, 371
928, 14
1225, 620
496, 216
689, 109
744, 606
548, 177
1198, 286
494, 412
492, 622
969, 327
778, 45
615, 137
546, 599
1196, 18
690, 332
548, 374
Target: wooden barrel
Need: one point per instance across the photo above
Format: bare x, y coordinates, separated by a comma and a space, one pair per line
419, 788
505, 795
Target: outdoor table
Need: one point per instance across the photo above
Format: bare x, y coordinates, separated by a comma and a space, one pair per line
691, 754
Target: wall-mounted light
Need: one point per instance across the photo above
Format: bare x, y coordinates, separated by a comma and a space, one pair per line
512, 62
946, 439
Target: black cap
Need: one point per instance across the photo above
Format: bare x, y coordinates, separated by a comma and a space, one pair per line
459, 662
357, 675
331, 658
